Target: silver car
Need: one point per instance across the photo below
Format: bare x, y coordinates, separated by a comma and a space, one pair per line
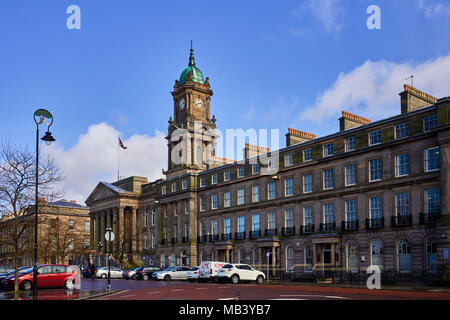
173, 273
103, 273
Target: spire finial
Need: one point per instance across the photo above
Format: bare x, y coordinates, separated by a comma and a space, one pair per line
191, 57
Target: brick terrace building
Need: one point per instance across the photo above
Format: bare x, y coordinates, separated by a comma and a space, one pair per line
374, 193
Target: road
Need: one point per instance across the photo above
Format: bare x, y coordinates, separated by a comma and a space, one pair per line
183, 290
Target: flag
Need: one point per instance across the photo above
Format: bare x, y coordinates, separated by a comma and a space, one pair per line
121, 144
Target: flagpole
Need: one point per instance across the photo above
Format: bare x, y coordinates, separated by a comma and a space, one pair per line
118, 159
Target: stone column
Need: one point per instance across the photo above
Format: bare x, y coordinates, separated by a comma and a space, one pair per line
120, 229
102, 231
133, 230
97, 230
274, 259
259, 257
115, 215
92, 231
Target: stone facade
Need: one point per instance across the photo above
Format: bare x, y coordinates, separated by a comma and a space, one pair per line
374, 193
63, 235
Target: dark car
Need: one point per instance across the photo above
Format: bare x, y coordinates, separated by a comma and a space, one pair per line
49, 276
87, 271
129, 274
145, 273
11, 272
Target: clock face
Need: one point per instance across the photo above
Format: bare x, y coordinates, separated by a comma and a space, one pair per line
198, 103
181, 104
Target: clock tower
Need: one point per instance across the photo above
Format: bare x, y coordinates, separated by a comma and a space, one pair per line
191, 133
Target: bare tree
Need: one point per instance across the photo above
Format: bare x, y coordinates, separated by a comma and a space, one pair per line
17, 195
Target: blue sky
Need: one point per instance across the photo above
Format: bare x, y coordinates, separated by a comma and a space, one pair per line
271, 64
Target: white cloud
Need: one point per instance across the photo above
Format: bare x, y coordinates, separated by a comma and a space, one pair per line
94, 159
433, 8
372, 89
329, 13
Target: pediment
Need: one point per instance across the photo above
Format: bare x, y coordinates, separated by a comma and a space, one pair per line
102, 191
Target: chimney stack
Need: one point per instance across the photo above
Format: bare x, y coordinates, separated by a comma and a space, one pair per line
295, 136
412, 99
251, 150
350, 120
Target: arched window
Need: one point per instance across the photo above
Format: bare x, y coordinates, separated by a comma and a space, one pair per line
377, 254
431, 254
404, 255
352, 257
242, 257
290, 259
308, 258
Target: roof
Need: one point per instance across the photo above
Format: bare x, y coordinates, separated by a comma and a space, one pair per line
65, 203
197, 75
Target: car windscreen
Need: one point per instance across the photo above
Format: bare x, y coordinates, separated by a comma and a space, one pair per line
194, 269
169, 269
25, 271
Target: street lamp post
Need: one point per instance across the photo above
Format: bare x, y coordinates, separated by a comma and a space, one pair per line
40, 116
109, 236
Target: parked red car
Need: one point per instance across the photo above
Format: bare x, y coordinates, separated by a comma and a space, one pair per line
49, 276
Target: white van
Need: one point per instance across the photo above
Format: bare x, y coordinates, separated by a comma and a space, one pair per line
208, 270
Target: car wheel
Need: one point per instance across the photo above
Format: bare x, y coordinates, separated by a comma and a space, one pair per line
235, 279
103, 276
133, 277
167, 278
260, 280
145, 277
69, 284
26, 285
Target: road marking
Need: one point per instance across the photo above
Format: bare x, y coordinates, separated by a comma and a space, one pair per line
154, 292
128, 296
223, 287
109, 295
175, 290
234, 298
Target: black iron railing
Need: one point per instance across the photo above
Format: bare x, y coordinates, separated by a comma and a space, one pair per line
270, 232
325, 227
213, 237
375, 223
225, 236
427, 218
288, 231
401, 221
239, 235
254, 234
350, 225
307, 229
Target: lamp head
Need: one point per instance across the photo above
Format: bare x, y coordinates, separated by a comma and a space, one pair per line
48, 138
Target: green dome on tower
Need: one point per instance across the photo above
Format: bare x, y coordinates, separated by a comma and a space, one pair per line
197, 75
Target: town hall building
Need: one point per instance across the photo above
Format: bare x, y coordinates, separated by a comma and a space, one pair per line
373, 193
